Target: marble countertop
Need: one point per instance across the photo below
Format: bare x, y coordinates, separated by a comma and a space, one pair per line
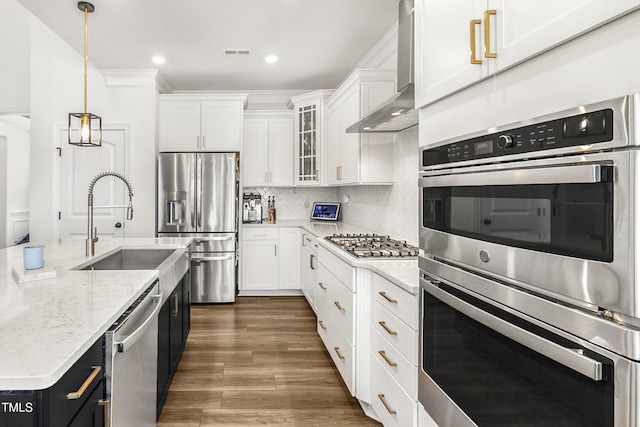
47, 324
402, 272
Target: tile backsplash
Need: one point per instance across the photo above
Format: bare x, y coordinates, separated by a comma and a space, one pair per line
296, 202
391, 210
388, 209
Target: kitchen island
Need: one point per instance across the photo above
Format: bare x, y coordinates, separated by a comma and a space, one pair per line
47, 325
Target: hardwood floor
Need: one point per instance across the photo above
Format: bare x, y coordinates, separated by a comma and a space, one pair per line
258, 362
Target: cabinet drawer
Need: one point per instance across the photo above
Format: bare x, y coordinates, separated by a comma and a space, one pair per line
343, 271
338, 300
398, 301
403, 371
396, 332
341, 351
81, 373
392, 405
259, 233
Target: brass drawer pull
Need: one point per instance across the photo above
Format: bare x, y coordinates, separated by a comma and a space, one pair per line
384, 402
487, 34
337, 349
386, 328
337, 303
386, 359
472, 40
106, 404
391, 300
324, 288
77, 394
311, 257
322, 325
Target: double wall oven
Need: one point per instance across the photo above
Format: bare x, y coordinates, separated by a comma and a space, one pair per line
529, 289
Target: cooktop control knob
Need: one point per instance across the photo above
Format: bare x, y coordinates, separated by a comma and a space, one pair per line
505, 142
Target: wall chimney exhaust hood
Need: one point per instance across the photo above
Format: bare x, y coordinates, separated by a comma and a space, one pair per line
398, 112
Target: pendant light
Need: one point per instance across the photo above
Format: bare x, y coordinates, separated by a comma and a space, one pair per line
85, 129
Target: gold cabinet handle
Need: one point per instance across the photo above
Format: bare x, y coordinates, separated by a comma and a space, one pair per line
472, 39
386, 328
337, 350
77, 394
322, 325
391, 300
106, 404
384, 402
386, 359
317, 177
337, 303
311, 257
487, 34
324, 288
174, 311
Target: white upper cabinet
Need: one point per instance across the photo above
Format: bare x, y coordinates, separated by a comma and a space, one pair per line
200, 122
355, 158
309, 111
458, 44
267, 154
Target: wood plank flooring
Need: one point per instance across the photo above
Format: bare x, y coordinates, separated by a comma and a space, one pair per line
261, 362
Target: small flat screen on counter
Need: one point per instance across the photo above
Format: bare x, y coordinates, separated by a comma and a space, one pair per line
483, 147
325, 211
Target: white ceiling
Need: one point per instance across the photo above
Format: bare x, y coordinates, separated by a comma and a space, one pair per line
318, 41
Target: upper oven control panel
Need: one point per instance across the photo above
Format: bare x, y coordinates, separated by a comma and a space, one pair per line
575, 131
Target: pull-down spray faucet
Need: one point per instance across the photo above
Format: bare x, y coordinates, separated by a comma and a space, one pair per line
92, 234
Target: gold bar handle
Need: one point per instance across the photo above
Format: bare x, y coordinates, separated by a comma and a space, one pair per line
311, 257
77, 394
487, 34
386, 328
174, 310
386, 359
107, 411
337, 303
391, 300
324, 288
384, 402
322, 325
472, 39
337, 350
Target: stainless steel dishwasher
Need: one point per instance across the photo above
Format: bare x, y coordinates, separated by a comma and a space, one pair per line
131, 350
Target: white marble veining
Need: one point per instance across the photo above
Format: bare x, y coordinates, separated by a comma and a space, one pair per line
46, 325
402, 272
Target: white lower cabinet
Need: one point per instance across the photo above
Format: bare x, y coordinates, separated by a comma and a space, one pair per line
391, 403
308, 268
269, 259
394, 353
340, 349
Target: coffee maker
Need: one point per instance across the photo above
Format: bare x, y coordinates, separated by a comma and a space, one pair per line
251, 208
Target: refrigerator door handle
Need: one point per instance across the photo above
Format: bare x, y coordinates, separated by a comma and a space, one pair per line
213, 239
199, 191
212, 258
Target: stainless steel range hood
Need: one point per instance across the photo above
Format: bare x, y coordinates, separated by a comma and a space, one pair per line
396, 113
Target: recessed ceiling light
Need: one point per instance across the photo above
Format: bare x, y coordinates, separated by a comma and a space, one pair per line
159, 59
271, 59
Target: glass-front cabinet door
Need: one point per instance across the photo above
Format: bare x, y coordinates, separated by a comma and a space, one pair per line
307, 144
308, 147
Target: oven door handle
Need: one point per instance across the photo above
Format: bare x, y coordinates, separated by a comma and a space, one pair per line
571, 358
588, 174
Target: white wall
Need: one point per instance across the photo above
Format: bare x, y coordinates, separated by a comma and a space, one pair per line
599, 65
15, 222
14, 57
56, 90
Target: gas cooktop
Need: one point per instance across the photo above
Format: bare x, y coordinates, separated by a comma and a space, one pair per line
373, 246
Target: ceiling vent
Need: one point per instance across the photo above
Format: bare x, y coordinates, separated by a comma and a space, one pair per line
240, 52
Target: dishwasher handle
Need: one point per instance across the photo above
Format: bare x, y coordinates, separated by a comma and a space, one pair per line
131, 339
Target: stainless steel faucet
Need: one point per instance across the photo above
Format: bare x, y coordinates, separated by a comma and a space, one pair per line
92, 234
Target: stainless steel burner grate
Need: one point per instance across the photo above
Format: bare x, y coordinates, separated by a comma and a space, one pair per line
373, 246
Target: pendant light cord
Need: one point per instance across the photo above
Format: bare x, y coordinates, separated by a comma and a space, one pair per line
86, 53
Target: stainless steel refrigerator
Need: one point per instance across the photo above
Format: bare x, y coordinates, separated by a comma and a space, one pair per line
198, 197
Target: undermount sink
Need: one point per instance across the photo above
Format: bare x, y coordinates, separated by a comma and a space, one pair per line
131, 259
